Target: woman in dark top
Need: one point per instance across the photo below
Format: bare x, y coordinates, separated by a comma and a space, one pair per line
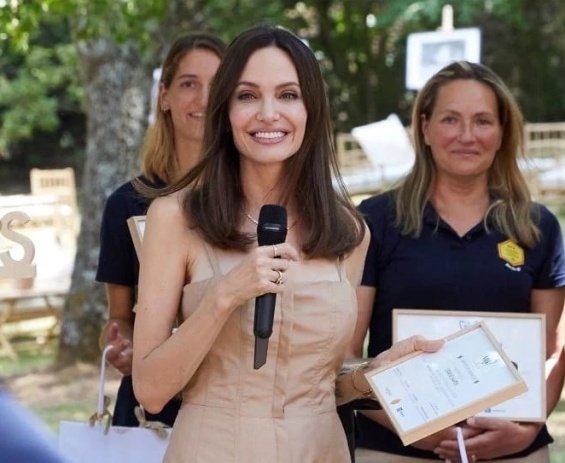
461, 232
172, 147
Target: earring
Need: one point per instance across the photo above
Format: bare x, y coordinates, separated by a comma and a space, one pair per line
164, 108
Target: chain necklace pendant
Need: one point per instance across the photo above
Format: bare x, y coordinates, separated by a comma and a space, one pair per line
256, 222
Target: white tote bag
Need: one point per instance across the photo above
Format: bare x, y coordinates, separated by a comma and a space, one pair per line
99, 442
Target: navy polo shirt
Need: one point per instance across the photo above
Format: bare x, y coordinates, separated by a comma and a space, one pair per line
439, 270
117, 262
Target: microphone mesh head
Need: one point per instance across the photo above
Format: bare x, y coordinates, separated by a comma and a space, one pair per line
272, 225
273, 213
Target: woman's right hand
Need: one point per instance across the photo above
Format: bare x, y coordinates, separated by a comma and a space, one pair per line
257, 274
121, 354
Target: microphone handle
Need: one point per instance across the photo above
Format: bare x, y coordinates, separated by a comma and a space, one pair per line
264, 315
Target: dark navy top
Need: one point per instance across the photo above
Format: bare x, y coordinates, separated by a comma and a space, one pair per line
442, 271
118, 264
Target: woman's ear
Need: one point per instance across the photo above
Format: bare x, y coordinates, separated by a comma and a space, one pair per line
424, 128
164, 104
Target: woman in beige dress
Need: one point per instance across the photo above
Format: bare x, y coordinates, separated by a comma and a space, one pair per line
267, 141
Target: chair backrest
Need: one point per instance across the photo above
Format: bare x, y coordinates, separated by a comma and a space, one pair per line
350, 156
60, 182
545, 139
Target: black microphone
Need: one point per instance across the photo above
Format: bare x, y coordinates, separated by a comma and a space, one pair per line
271, 229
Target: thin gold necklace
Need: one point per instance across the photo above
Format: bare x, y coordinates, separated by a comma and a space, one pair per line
256, 222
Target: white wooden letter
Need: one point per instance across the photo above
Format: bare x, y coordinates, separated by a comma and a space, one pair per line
11, 268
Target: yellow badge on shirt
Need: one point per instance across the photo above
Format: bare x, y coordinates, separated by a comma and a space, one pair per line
510, 252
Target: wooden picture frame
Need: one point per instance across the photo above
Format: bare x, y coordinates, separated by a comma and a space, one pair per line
511, 330
136, 225
423, 393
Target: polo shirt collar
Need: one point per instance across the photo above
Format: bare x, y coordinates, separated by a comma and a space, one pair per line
432, 219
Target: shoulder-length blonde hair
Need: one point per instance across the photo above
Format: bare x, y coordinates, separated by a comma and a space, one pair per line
510, 210
159, 162
215, 201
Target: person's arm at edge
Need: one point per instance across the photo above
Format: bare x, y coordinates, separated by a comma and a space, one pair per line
118, 330
115, 270
162, 274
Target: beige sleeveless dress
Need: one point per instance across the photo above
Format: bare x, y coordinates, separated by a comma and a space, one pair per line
284, 412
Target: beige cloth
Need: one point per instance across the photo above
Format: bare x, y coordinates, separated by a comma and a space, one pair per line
373, 456
284, 412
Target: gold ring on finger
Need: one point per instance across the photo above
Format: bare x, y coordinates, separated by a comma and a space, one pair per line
275, 251
279, 280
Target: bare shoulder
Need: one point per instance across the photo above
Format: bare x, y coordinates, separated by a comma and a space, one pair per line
361, 249
167, 235
366, 238
166, 207
166, 212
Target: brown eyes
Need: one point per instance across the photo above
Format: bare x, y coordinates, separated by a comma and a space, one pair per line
283, 96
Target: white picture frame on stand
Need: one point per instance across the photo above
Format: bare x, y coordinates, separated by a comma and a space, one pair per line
428, 52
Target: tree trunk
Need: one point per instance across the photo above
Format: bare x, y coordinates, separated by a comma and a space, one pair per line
117, 86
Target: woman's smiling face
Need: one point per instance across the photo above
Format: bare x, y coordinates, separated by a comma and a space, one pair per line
464, 131
267, 114
187, 96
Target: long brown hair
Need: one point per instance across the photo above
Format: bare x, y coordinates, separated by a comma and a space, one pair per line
159, 162
511, 210
214, 202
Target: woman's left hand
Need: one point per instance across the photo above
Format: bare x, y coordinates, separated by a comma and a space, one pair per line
497, 438
356, 386
405, 347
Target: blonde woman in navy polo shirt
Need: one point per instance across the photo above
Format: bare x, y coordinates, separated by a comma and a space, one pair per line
434, 245
172, 147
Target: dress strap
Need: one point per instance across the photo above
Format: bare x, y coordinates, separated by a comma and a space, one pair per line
340, 265
213, 259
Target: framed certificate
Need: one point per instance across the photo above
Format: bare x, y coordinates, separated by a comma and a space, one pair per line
423, 393
511, 330
136, 225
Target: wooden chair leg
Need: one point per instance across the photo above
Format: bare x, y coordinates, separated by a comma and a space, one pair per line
6, 347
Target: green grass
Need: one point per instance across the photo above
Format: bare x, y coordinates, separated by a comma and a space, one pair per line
35, 358
31, 357
72, 411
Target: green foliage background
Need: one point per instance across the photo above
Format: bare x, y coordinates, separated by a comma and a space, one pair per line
360, 44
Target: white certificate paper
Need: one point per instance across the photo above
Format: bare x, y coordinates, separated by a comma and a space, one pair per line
510, 330
426, 392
